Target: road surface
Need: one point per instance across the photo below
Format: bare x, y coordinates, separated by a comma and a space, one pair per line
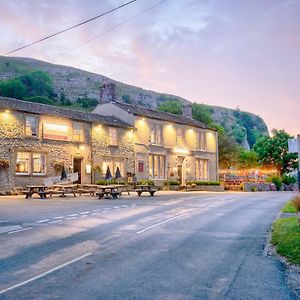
172, 246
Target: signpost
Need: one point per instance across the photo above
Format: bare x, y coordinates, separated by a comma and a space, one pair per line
294, 147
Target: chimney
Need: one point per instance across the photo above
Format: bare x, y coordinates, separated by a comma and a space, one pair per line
107, 93
187, 110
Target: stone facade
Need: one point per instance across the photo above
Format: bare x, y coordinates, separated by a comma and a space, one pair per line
93, 148
168, 146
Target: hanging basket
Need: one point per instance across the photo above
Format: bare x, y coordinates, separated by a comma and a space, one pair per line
4, 164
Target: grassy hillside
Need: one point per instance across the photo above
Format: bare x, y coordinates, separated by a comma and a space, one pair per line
70, 84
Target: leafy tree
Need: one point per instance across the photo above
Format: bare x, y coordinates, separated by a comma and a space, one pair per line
248, 159
171, 106
239, 133
273, 151
64, 100
201, 113
38, 83
13, 88
86, 102
228, 151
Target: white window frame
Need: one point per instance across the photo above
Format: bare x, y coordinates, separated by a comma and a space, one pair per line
156, 134
160, 160
31, 164
37, 125
202, 169
112, 136
201, 141
81, 135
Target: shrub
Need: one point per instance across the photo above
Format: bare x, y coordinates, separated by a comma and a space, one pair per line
171, 182
277, 181
4, 163
145, 182
198, 182
288, 180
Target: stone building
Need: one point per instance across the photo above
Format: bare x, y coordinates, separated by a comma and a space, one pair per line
167, 146
37, 139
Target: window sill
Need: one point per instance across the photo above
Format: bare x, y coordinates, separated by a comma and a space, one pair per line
113, 146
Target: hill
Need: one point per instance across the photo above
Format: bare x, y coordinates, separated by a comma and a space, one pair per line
74, 84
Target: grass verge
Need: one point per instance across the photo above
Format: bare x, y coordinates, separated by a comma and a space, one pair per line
286, 238
289, 208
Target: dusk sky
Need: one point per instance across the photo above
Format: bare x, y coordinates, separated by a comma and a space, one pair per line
228, 53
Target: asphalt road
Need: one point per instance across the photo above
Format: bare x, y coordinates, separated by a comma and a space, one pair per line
173, 246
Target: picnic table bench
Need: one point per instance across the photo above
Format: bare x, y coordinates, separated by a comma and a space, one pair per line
35, 189
142, 188
63, 189
109, 191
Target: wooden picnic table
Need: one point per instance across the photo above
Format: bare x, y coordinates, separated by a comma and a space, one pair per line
141, 188
35, 189
64, 189
111, 191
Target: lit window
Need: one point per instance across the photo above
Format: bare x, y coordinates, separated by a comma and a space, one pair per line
39, 164
23, 163
113, 140
113, 165
157, 166
77, 132
179, 136
202, 141
31, 125
156, 134
202, 169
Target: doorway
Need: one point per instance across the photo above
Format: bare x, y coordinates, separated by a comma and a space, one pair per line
77, 166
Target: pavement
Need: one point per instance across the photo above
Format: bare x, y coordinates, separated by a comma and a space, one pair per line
194, 245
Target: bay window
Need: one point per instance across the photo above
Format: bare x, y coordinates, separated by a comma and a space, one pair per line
157, 166
201, 169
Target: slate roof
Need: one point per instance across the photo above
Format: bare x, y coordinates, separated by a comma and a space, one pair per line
159, 115
43, 109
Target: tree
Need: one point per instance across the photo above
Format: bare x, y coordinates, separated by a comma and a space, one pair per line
248, 159
273, 152
171, 106
13, 88
228, 151
38, 83
127, 99
202, 113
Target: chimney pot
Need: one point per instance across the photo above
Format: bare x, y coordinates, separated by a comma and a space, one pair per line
187, 110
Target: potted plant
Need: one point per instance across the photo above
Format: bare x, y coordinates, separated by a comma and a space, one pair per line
58, 165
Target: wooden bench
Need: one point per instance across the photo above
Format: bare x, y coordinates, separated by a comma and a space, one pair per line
86, 191
151, 191
61, 193
27, 193
113, 194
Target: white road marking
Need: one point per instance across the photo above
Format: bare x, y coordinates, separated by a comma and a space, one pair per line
19, 230
73, 215
124, 206
93, 214
56, 218
96, 210
45, 273
116, 207
160, 223
3, 221
84, 213
71, 218
104, 211
83, 216
43, 221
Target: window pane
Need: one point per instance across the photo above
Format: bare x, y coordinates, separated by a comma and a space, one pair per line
158, 134
31, 126
77, 132
39, 163
151, 166
23, 163
152, 134
112, 136
118, 163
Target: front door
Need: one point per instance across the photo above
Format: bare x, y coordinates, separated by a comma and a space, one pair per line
77, 166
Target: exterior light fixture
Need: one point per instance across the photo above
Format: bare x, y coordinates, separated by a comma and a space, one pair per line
81, 147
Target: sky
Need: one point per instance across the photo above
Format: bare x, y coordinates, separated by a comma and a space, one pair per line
228, 53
